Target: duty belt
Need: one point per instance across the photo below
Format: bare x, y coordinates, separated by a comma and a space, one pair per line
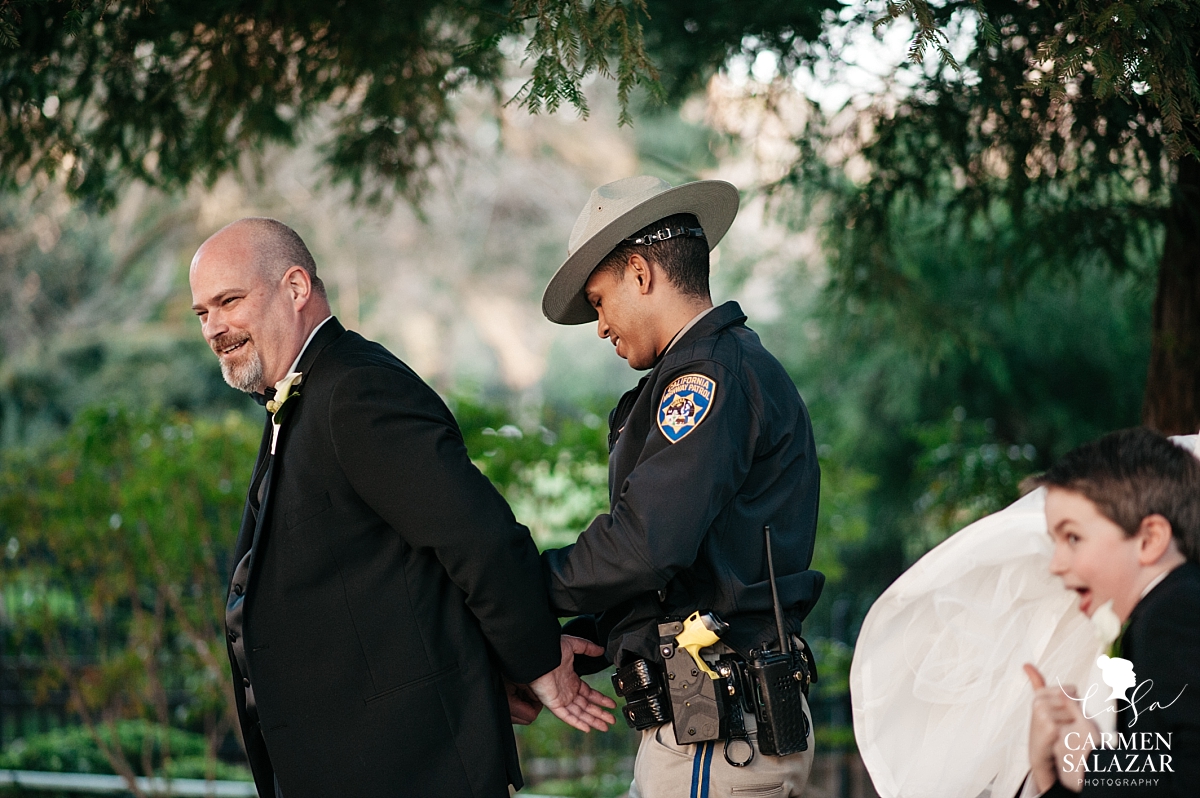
709, 700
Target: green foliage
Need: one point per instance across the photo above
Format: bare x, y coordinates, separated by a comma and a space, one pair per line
928, 35
690, 41
835, 738
554, 474
842, 520
1144, 51
987, 300
1134, 47
968, 475
1032, 184
43, 391
91, 311
604, 785
674, 149
971, 195
98, 93
927, 388
50, 257
170, 752
571, 40
1065, 139
118, 545
833, 667
162, 92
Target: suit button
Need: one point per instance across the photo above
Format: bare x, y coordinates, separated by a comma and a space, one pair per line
246, 682
233, 637
237, 589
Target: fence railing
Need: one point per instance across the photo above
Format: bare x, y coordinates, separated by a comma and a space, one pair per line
93, 784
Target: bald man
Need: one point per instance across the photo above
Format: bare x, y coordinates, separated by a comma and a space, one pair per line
383, 594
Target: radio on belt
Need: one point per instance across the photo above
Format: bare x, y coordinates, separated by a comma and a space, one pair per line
780, 681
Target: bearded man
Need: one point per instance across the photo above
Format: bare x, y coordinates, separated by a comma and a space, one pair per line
382, 590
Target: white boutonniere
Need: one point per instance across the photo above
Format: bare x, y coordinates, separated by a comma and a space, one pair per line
1106, 623
279, 407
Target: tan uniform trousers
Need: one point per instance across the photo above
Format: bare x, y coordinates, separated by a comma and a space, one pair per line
665, 769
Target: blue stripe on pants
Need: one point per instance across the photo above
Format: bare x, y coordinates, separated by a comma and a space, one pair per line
696, 770
708, 755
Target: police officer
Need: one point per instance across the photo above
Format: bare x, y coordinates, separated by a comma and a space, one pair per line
712, 444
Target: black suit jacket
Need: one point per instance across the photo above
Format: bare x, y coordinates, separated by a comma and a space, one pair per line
390, 586
1163, 643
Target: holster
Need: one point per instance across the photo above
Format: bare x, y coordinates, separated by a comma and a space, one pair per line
697, 700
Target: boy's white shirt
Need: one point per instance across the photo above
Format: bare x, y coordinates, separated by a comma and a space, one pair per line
1154, 582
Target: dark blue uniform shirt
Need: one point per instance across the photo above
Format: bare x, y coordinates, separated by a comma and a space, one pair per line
711, 445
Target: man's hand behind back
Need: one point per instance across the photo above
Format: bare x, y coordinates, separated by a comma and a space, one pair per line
571, 699
523, 705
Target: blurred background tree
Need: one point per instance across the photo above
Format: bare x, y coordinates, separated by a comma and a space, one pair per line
1078, 120
1076, 124
163, 92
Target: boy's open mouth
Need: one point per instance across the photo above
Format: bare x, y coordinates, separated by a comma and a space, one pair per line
1085, 598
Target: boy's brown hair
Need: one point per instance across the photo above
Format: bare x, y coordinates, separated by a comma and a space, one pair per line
1133, 473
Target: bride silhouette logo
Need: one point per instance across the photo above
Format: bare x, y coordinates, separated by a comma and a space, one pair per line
1117, 674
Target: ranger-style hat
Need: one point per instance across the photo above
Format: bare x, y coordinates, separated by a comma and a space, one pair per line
616, 211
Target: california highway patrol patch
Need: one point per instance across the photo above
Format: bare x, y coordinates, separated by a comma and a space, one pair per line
684, 405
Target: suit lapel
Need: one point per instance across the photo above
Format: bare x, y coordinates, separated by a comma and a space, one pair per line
262, 509
246, 531
252, 526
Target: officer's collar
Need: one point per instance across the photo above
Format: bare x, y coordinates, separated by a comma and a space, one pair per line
684, 330
711, 323
714, 321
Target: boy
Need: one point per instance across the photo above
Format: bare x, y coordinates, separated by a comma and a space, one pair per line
1124, 513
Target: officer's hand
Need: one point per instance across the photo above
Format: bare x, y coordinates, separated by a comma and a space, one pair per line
523, 705
567, 696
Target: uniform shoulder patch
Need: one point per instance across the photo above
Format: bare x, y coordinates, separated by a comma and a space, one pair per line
685, 404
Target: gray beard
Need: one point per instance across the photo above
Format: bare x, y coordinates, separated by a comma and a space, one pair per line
247, 376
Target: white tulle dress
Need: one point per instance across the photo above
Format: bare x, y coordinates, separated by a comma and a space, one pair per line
941, 703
